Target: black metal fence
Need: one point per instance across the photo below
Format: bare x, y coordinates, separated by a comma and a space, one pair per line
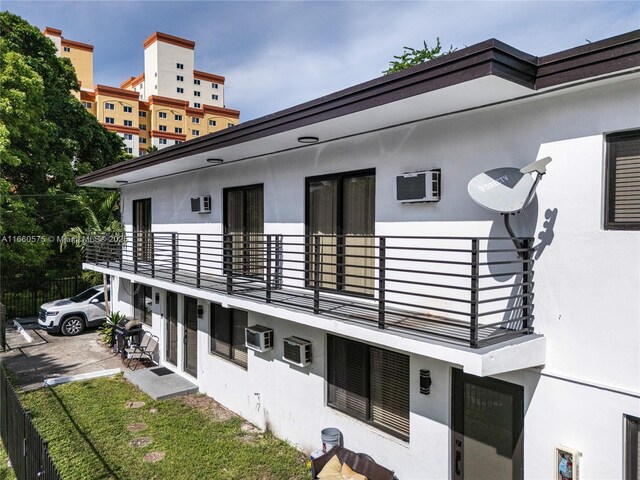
3, 327
470, 290
28, 452
23, 295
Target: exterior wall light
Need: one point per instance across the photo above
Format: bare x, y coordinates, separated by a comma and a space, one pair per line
308, 139
215, 161
425, 382
200, 311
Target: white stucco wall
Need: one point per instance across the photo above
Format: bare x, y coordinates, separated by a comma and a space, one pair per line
586, 279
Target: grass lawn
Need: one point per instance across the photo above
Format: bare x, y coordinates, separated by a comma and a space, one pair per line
90, 434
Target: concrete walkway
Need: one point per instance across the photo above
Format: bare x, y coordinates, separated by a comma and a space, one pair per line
160, 383
54, 355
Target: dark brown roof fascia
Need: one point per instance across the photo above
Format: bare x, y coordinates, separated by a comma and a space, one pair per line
586, 61
491, 57
486, 58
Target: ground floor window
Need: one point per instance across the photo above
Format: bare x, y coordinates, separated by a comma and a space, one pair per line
370, 384
227, 333
142, 303
632, 447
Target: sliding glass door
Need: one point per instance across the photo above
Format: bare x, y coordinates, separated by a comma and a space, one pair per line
244, 226
340, 228
142, 238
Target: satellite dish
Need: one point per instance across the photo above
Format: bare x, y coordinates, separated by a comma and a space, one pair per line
502, 190
508, 190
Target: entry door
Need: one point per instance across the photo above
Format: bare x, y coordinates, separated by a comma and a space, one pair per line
244, 223
142, 238
191, 336
171, 325
340, 227
488, 423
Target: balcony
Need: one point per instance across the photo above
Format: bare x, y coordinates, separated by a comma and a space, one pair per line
469, 291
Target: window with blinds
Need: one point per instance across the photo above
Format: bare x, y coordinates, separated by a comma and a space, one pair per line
370, 384
632, 448
622, 197
227, 334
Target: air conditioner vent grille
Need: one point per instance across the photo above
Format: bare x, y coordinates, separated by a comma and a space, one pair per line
297, 351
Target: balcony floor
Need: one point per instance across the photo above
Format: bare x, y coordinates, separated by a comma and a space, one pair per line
349, 308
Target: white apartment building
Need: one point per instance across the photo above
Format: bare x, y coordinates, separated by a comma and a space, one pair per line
169, 71
325, 266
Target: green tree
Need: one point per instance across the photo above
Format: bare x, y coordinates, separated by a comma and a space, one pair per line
101, 220
47, 138
412, 56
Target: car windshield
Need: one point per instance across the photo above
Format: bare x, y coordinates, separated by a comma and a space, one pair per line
84, 296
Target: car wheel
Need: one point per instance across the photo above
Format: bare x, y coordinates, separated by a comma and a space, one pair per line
72, 326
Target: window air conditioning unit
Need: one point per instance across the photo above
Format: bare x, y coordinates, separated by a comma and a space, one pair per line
201, 204
258, 338
418, 187
297, 351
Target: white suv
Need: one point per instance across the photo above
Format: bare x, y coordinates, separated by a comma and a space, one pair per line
72, 315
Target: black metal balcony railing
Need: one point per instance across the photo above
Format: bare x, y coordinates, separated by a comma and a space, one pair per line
473, 290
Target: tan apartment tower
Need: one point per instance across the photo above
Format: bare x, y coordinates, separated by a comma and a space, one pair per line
169, 103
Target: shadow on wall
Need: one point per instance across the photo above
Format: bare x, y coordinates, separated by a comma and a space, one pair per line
524, 225
546, 235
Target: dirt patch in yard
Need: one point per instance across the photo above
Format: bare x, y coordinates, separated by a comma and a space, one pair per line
154, 457
137, 427
141, 442
209, 407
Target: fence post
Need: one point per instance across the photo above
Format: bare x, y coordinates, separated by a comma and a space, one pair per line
268, 269
382, 252
153, 254
316, 274
526, 278
475, 259
174, 251
228, 261
197, 260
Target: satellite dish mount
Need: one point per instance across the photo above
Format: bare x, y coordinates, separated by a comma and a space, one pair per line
508, 191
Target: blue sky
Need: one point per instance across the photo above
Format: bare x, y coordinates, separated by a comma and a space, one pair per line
278, 54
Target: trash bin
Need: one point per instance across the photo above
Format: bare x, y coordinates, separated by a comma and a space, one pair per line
330, 437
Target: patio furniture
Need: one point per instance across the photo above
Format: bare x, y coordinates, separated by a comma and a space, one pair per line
143, 343
140, 352
358, 462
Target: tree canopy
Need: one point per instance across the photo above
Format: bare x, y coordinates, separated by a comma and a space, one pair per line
47, 138
412, 56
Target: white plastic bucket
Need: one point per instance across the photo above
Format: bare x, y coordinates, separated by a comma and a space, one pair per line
330, 437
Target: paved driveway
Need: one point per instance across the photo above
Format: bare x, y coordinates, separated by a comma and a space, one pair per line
54, 355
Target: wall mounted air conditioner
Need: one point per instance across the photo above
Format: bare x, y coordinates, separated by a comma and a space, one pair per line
258, 338
201, 204
418, 187
297, 351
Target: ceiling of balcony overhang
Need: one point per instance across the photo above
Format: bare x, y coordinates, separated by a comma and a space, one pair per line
471, 94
